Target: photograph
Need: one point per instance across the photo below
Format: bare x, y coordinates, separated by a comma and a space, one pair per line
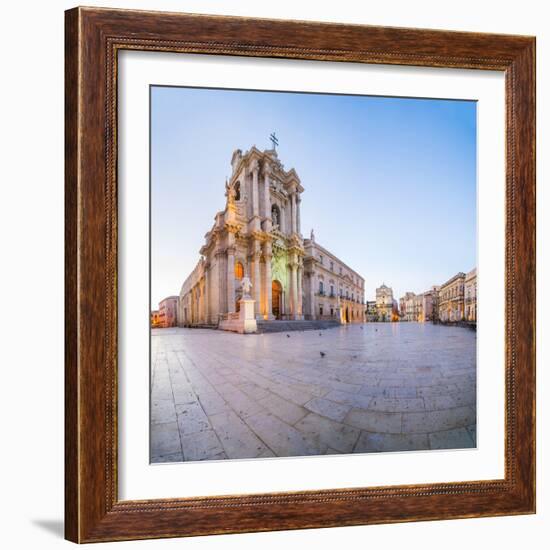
313, 274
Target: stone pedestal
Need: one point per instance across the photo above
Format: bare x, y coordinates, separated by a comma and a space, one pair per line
247, 319
243, 322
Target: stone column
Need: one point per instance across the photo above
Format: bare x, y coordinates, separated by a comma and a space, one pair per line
230, 279
298, 225
199, 302
293, 212
257, 279
207, 293
299, 292
200, 286
312, 296
267, 198
255, 188
293, 288
291, 291
268, 288
221, 287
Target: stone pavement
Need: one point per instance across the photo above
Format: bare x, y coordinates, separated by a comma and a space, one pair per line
379, 387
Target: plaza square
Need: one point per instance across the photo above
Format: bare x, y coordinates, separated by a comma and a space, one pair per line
356, 388
311, 297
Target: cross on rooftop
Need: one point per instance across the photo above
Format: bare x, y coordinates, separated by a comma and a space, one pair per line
274, 140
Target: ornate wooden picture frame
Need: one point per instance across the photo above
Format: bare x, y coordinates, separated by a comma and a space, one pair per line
94, 37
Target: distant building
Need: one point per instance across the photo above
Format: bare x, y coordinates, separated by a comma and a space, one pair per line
428, 304
168, 312
451, 299
417, 307
155, 318
386, 306
395, 310
470, 296
371, 314
406, 306
435, 303
422, 307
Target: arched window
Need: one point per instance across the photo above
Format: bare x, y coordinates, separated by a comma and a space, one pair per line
275, 215
239, 270
238, 191
321, 287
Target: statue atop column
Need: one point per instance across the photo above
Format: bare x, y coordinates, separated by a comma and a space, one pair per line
230, 193
246, 285
275, 217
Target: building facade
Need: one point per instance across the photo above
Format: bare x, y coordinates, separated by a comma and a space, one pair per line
451, 299
386, 306
167, 313
406, 307
258, 235
435, 303
417, 308
428, 305
470, 296
155, 318
332, 290
371, 314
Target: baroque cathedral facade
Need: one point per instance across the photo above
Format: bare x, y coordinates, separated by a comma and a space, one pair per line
258, 235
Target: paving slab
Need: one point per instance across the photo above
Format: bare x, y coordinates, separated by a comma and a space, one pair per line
191, 418
213, 403
174, 457
165, 440
396, 404
352, 399
203, 445
287, 411
336, 435
282, 438
375, 421
432, 421
162, 411
236, 438
330, 409
459, 438
380, 442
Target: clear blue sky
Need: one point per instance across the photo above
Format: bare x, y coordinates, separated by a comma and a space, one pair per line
390, 183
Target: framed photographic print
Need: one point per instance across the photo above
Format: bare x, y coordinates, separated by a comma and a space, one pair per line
300, 275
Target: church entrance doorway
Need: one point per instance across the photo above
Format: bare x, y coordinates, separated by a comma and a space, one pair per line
276, 299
